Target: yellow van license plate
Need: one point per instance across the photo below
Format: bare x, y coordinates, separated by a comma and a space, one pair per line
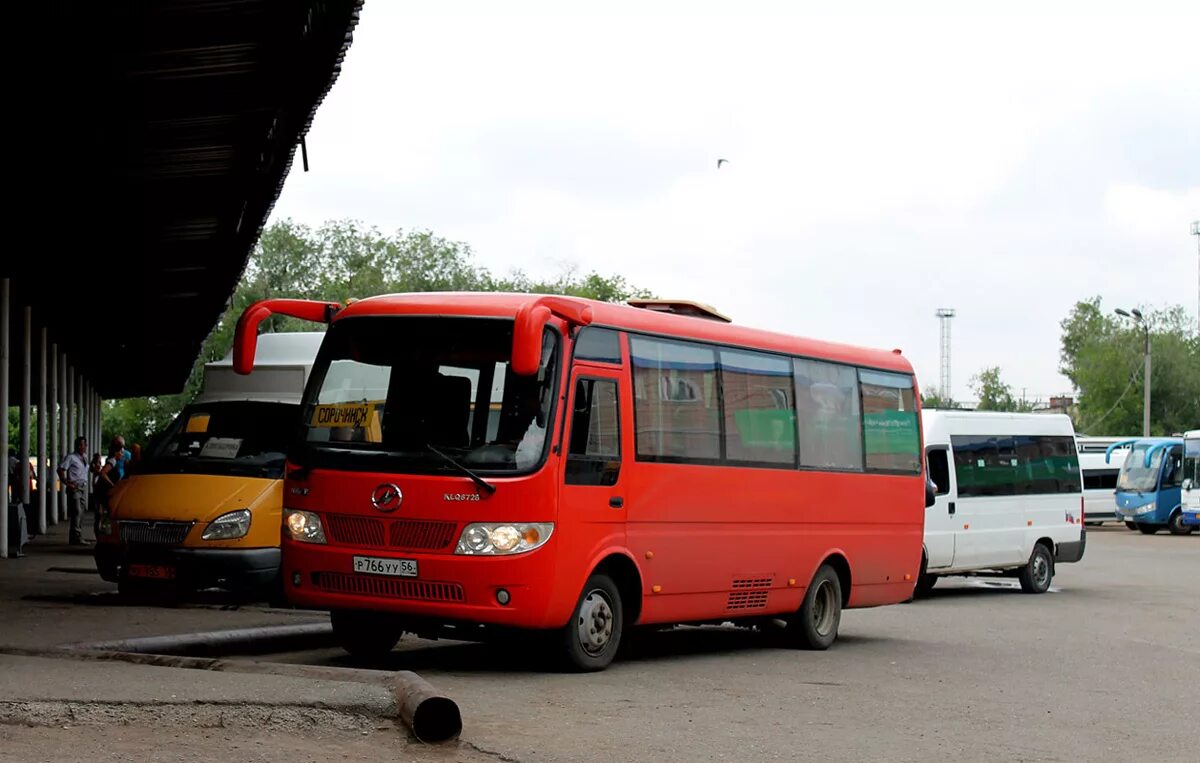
151, 571
374, 565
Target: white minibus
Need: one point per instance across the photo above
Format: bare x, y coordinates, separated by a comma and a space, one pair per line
1009, 496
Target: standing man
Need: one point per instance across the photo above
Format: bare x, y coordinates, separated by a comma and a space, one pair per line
73, 471
123, 456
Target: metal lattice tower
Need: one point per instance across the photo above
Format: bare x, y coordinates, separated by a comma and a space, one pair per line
944, 315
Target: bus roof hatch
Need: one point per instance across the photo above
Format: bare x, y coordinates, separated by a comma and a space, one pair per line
681, 307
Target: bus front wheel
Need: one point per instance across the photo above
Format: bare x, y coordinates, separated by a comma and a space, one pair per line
590, 639
1176, 525
815, 626
365, 635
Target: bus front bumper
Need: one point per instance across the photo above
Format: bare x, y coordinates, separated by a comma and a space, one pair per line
448, 587
238, 569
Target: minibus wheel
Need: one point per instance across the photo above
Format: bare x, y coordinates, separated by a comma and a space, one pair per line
1131, 525
1037, 573
1176, 525
815, 625
590, 639
1148, 529
365, 634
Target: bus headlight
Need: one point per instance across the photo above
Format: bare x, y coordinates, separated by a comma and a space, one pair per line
235, 524
304, 526
501, 538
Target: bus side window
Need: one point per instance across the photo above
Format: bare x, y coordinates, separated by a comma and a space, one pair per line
1172, 473
594, 454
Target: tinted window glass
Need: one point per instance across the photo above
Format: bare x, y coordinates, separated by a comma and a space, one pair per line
598, 344
676, 400
760, 421
1100, 479
1020, 465
891, 436
977, 466
1173, 469
594, 456
828, 412
939, 470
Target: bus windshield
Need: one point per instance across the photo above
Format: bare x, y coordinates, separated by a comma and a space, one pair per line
1135, 475
391, 391
243, 438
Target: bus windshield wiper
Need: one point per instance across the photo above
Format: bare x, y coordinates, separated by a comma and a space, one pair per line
480, 481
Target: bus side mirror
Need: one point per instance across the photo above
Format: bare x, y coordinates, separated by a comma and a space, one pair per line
1188, 484
931, 489
531, 321
245, 337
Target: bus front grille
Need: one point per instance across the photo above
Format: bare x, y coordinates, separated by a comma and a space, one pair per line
415, 534
395, 588
422, 535
354, 531
155, 533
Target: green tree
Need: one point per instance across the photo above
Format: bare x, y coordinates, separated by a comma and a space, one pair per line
933, 399
1103, 356
337, 261
995, 395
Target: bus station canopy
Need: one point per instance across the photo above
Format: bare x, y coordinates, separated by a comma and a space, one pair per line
152, 139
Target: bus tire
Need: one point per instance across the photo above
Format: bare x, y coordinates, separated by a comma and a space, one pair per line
925, 581
1148, 529
1176, 526
1037, 573
1131, 525
365, 635
591, 638
815, 625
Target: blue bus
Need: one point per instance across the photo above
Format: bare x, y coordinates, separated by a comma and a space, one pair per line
1148, 485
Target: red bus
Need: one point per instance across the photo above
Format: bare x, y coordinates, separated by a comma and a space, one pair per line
476, 463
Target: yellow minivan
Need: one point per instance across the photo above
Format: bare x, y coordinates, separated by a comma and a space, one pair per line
202, 508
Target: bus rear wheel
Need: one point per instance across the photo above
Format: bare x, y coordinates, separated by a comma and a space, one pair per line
815, 625
590, 639
365, 635
1176, 525
1037, 573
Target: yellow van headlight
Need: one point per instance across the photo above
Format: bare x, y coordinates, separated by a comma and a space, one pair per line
229, 526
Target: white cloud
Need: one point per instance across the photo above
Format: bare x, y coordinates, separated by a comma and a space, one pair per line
881, 164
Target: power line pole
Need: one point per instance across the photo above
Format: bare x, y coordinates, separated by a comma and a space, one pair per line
1196, 233
944, 314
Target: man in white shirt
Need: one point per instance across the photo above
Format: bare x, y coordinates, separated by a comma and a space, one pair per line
73, 471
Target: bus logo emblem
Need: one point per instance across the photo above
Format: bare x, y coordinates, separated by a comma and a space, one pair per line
387, 497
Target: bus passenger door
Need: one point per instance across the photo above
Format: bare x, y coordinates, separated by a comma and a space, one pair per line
592, 500
940, 518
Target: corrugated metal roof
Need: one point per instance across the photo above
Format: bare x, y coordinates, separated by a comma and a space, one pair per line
156, 140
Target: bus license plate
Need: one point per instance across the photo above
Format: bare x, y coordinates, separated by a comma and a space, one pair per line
374, 565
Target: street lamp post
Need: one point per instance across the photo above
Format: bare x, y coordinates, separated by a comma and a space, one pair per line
1196, 233
1136, 317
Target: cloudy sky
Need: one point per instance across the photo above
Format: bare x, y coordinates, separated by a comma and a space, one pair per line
880, 166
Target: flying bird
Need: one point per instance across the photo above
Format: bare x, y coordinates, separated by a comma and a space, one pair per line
721, 161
